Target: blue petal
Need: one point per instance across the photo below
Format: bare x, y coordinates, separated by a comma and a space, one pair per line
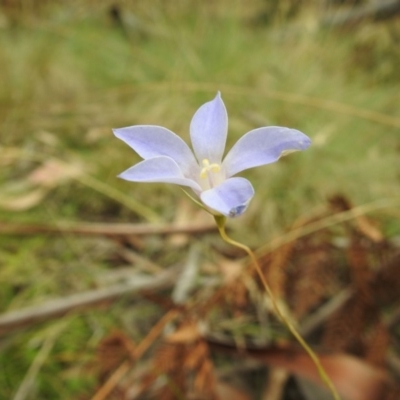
159, 169
230, 198
208, 130
263, 146
152, 141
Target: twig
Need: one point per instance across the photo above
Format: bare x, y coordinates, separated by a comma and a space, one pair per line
112, 381
186, 280
276, 383
155, 331
327, 222
58, 307
25, 389
134, 258
378, 10
315, 320
113, 229
288, 97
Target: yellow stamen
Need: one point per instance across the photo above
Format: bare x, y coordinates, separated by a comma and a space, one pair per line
207, 167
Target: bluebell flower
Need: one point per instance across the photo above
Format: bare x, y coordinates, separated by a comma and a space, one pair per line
167, 158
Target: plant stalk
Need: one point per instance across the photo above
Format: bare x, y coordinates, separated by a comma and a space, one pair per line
220, 220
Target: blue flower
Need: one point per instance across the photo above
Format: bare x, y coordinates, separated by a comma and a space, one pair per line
167, 158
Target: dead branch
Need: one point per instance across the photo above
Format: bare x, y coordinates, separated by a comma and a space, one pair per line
374, 10
324, 312
58, 307
112, 229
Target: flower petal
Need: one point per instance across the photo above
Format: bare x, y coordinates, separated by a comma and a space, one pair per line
152, 141
208, 130
159, 169
230, 198
263, 146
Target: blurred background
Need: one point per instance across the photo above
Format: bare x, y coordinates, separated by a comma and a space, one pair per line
71, 71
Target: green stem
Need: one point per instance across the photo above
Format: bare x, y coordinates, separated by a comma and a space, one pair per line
220, 220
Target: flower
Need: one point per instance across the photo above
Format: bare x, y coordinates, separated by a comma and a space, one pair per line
167, 158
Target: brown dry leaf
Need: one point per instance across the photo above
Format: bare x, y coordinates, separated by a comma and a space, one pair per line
378, 345
204, 381
353, 378
23, 201
363, 223
184, 359
359, 266
309, 281
54, 172
185, 334
236, 295
274, 266
227, 391
168, 357
347, 329
369, 229
230, 269
168, 361
25, 194
112, 351
344, 329
204, 377
196, 356
386, 285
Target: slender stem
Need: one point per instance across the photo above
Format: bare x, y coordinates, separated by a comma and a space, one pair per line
220, 220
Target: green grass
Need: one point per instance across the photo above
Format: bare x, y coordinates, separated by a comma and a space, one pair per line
69, 74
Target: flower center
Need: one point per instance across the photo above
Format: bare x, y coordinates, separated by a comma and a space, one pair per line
208, 170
